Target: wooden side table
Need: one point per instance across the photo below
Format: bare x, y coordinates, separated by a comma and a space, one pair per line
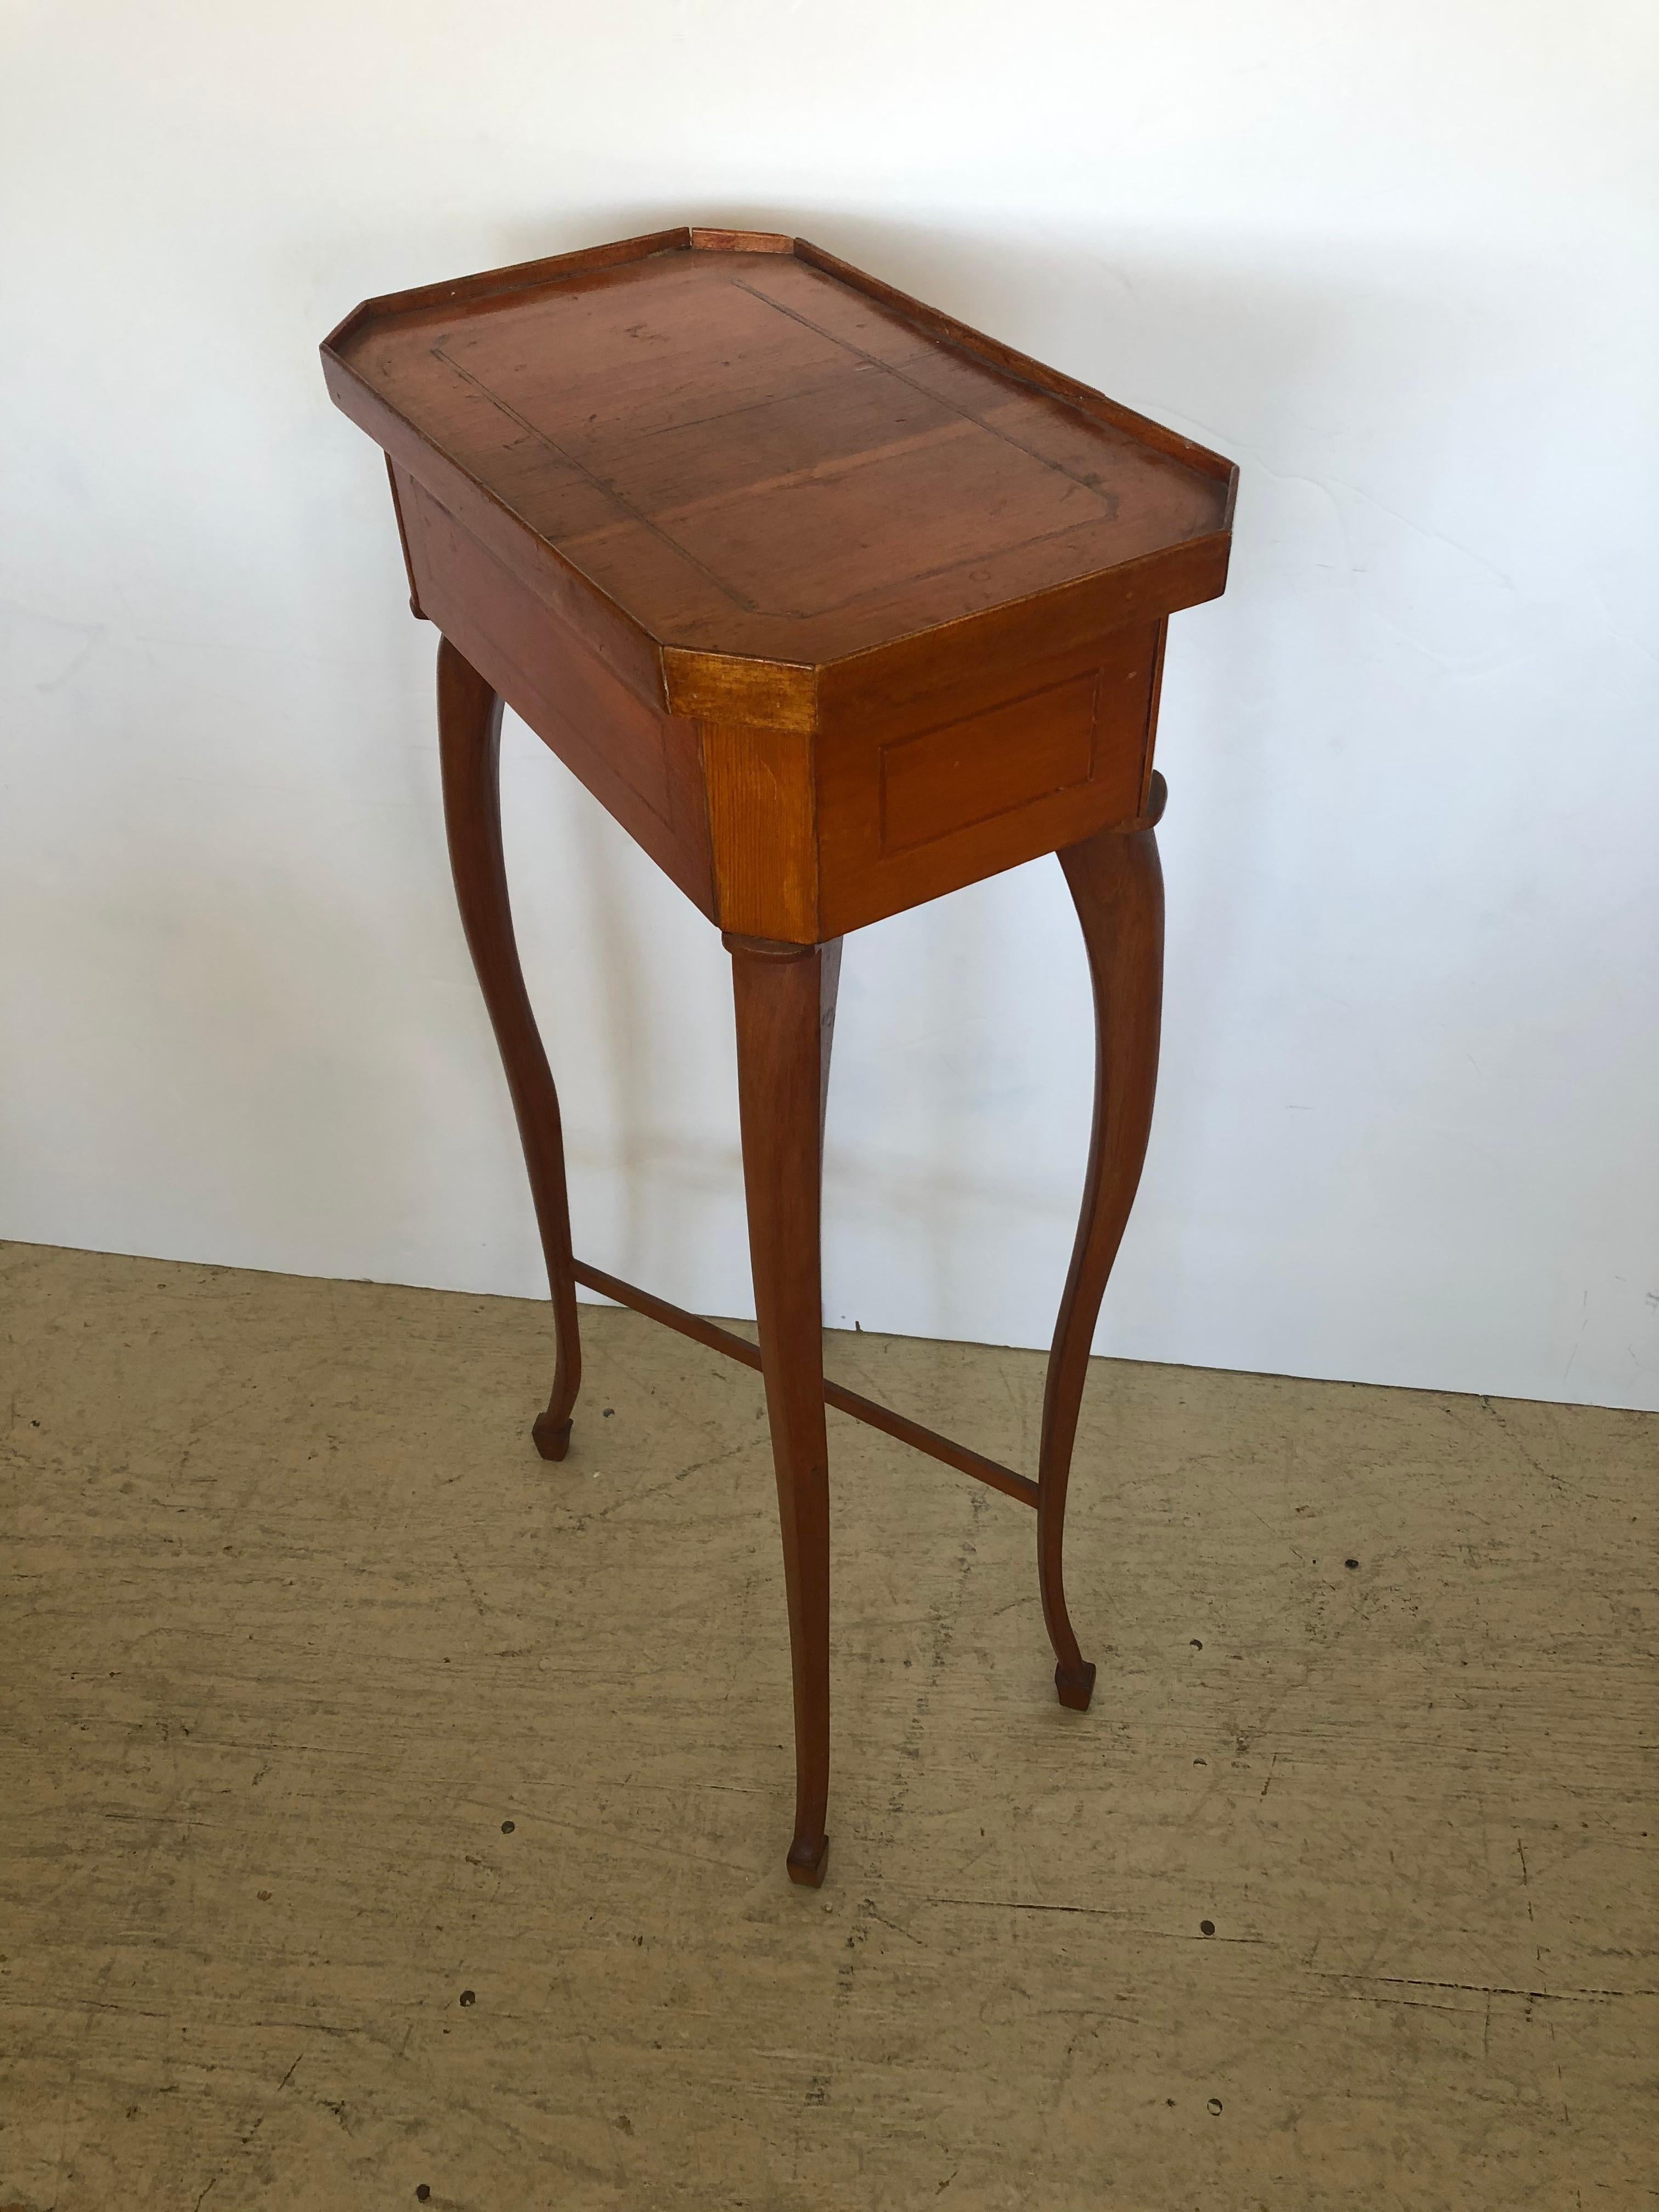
836, 605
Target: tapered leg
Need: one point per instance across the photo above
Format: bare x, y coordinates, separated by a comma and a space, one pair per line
469, 740
784, 998
1117, 887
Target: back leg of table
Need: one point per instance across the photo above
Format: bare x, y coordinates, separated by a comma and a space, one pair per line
1117, 886
469, 740
784, 1000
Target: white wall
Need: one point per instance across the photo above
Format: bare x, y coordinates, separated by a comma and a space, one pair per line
1395, 257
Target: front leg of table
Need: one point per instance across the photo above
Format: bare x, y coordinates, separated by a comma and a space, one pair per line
469, 744
784, 1000
1117, 886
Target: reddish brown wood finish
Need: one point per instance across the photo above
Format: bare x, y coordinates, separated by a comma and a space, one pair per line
836, 604
1117, 886
765, 455
945, 1449
469, 740
929, 777
783, 996
642, 765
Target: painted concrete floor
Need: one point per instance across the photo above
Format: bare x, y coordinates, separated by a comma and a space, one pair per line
389, 1818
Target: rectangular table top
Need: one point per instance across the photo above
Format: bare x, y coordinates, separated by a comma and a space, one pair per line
752, 450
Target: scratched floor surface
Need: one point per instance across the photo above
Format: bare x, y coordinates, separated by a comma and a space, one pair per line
387, 1817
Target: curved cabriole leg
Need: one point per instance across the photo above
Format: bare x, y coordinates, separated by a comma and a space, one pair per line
785, 1000
1117, 887
470, 743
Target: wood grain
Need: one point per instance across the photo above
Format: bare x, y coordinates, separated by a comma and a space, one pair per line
958, 775
762, 821
641, 764
937, 781
755, 453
